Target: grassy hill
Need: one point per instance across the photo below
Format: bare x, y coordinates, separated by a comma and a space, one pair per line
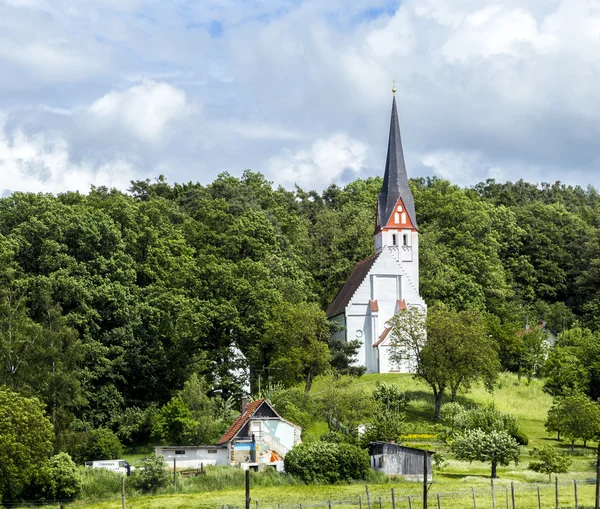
454, 481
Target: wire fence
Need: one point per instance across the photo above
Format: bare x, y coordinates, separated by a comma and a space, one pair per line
577, 494
555, 495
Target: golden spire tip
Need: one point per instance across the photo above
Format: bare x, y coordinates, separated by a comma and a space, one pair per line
394, 87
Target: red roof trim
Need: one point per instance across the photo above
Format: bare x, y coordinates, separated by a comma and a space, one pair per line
383, 336
401, 305
374, 305
238, 424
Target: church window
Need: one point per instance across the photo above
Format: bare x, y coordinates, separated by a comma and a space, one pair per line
403, 217
394, 239
399, 208
405, 240
396, 218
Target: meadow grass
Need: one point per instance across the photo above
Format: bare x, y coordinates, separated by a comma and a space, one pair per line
454, 481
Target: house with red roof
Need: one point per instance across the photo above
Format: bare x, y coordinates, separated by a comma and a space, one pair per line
259, 436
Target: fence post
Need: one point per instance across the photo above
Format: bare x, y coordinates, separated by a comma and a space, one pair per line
425, 480
575, 492
539, 499
597, 504
174, 475
330, 504
474, 499
394, 500
248, 489
512, 493
409, 502
360, 502
493, 495
123, 492
439, 503
368, 496
380, 504
256, 503
556, 490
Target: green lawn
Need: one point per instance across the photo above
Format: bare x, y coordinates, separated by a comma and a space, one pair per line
454, 481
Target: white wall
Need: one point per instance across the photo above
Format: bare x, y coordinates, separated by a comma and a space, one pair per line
193, 457
389, 280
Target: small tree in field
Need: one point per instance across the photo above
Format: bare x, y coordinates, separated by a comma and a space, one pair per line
495, 447
550, 461
451, 349
576, 417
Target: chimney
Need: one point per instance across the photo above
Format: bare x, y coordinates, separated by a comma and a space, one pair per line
244, 404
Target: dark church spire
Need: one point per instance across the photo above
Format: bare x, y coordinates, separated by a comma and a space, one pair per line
395, 180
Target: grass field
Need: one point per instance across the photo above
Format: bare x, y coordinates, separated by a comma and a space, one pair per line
454, 481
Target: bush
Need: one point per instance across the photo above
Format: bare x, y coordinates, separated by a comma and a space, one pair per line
98, 444
327, 463
99, 483
151, 476
66, 481
521, 437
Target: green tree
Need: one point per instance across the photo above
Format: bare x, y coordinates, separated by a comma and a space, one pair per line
549, 461
66, 480
576, 417
25, 442
494, 447
469, 354
174, 423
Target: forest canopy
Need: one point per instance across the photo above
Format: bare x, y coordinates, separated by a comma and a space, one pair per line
111, 301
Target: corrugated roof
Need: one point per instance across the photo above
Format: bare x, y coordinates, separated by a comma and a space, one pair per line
240, 421
346, 292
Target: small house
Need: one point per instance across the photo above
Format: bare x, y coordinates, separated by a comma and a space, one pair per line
259, 436
193, 456
396, 459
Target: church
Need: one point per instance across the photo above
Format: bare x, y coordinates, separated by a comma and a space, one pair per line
387, 281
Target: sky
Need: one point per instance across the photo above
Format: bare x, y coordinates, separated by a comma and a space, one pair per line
102, 92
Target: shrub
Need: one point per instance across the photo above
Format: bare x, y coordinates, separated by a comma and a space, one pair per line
66, 481
104, 445
98, 444
521, 437
151, 476
327, 463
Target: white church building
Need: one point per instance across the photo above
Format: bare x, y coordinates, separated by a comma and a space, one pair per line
388, 281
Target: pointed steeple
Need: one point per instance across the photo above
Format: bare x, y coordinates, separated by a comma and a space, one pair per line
395, 180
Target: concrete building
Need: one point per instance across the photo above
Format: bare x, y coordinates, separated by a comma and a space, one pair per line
388, 281
192, 456
396, 459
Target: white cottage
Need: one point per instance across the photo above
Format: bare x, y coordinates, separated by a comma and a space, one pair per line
387, 281
259, 436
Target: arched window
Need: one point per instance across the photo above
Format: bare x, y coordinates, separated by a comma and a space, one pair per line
403, 217
405, 239
394, 239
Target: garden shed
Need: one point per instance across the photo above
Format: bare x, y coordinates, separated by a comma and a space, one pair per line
396, 459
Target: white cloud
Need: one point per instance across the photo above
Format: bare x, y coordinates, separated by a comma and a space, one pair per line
42, 163
324, 162
145, 109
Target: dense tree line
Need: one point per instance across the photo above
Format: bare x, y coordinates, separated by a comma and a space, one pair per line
110, 302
